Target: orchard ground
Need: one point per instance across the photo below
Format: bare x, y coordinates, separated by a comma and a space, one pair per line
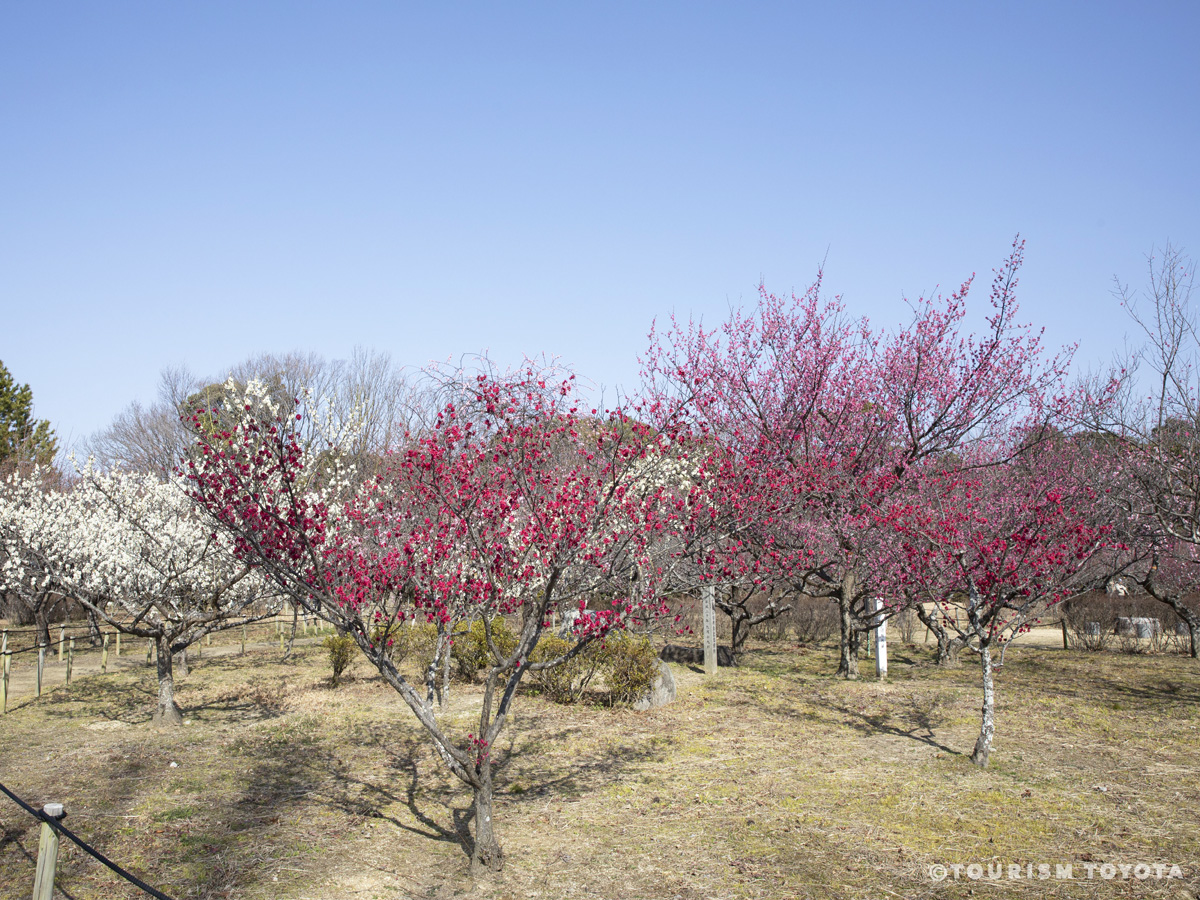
772, 780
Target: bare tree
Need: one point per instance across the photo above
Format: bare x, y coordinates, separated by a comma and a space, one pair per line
1150, 445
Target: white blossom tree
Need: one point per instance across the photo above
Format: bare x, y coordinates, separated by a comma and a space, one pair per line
136, 552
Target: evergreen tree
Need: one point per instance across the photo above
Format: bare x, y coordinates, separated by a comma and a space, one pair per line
21, 436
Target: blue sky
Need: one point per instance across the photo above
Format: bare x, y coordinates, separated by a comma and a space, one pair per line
194, 183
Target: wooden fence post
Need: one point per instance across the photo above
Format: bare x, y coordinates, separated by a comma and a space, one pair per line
62, 640
41, 665
149, 649
243, 639
47, 863
104, 656
1063, 623
118, 643
70, 658
4, 688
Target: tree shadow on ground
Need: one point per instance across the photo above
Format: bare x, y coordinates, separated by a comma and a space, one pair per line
915, 719
290, 780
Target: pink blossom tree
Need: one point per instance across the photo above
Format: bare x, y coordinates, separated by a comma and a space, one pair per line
517, 501
827, 418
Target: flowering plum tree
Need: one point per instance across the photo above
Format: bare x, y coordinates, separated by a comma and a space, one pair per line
516, 502
137, 553
992, 547
816, 420
29, 544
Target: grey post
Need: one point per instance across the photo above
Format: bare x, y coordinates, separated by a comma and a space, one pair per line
41, 665
47, 863
708, 601
118, 643
149, 650
243, 639
880, 641
4, 682
104, 656
62, 641
70, 658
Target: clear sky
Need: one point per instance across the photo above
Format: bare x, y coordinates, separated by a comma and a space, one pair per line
193, 183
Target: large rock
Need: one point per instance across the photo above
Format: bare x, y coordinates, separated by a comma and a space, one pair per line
676, 653
662, 689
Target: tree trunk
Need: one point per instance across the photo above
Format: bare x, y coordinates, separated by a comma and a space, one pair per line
167, 713
41, 621
848, 660
291, 643
486, 855
444, 697
94, 635
946, 653
983, 746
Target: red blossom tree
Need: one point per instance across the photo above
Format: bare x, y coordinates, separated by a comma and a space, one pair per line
992, 548
517, 501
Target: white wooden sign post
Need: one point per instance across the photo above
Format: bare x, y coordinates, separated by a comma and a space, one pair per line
880, 641
708, 598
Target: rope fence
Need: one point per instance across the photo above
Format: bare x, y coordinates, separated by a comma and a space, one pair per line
51, 816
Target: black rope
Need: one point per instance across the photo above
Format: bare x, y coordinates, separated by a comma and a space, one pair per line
96, 854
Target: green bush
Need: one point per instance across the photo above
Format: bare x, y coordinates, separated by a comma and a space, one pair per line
470, 649
630, 665
566, 682
341, 653
401, 639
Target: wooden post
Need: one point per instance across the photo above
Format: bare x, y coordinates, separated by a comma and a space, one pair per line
208, 639
118, 643
281, 643
7, 667
41, 665
149, 649
104, 656
708, 601
70, 658
243, 639
4, 642
880, 642
47, 863
62, 640
1063, 623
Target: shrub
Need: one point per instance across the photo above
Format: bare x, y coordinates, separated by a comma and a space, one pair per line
470, 649
630, 664
402, 639
341, 653
566, 682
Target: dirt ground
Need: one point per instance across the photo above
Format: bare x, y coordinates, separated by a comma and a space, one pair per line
771, 780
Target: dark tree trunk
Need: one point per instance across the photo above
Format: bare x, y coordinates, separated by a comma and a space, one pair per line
168, 712
848, 657
41, 621
946, 653
94, 629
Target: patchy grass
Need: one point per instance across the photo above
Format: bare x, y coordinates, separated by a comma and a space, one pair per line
773, 780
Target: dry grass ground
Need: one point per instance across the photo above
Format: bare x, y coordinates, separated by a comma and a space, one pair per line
773, 780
